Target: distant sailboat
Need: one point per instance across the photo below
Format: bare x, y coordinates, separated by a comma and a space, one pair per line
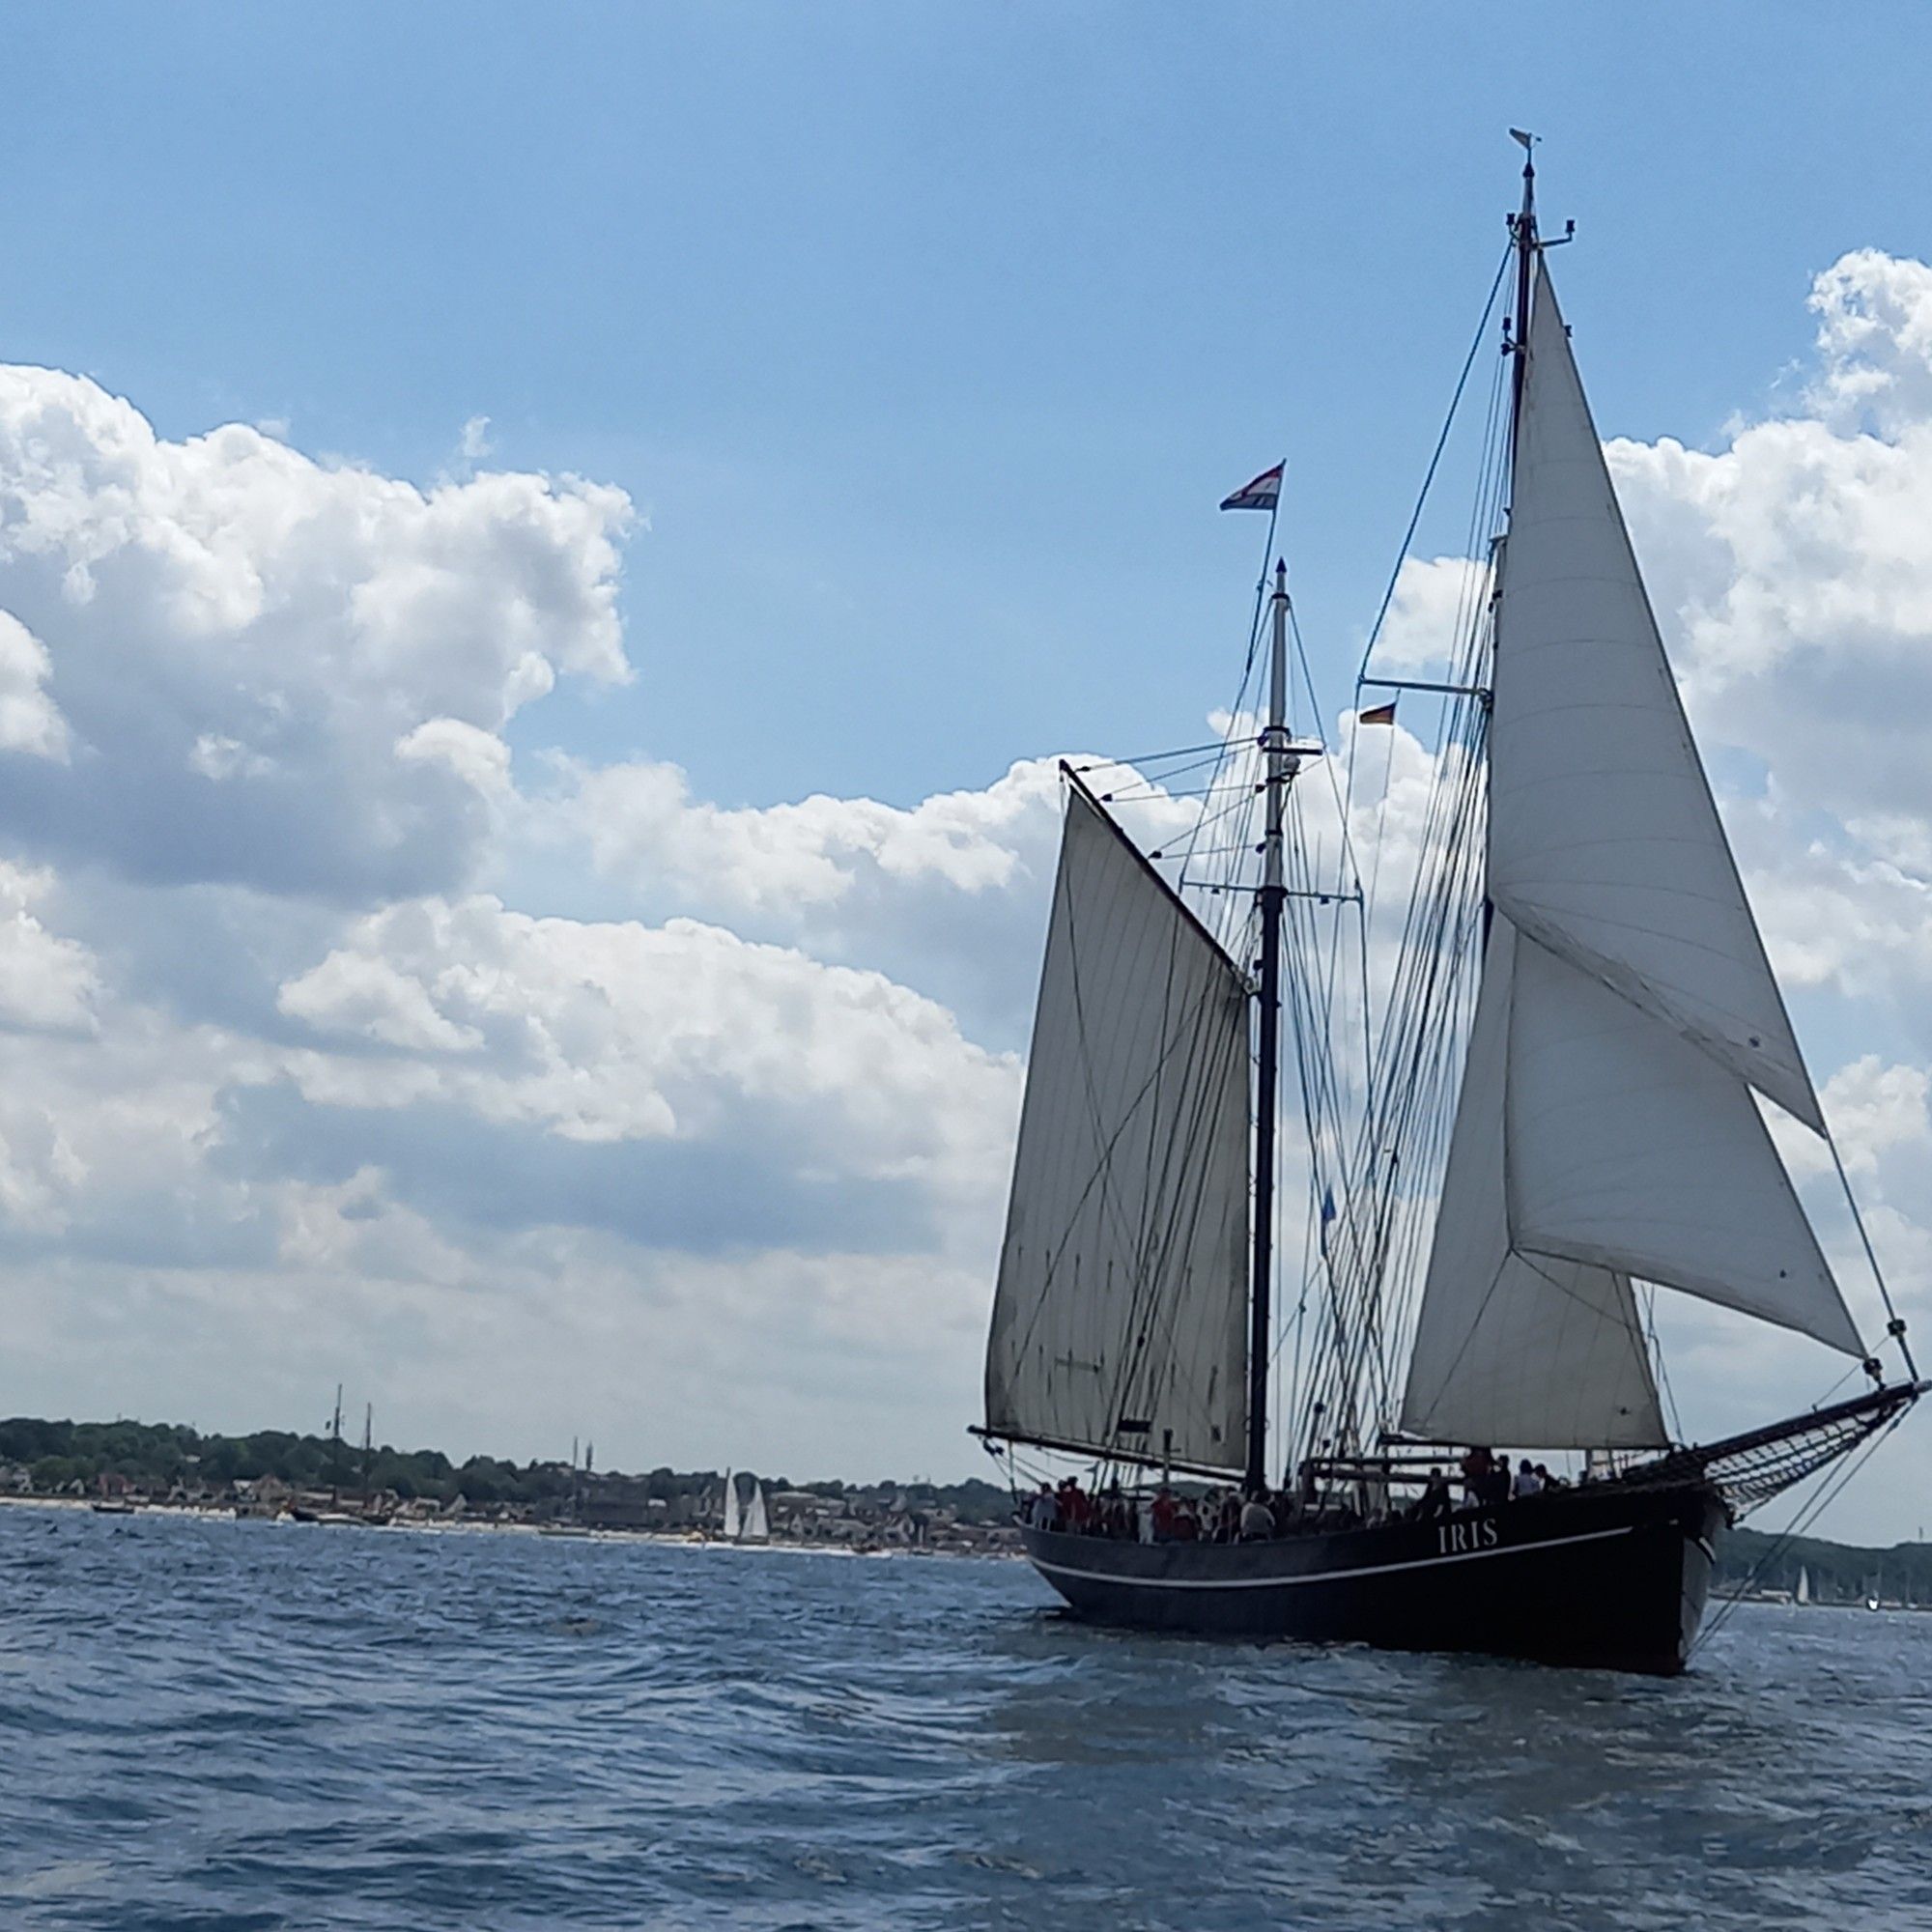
749, 1524
1804, 1595
1479, 1252
757, 1529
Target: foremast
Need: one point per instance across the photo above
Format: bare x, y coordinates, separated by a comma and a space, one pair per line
1280, 763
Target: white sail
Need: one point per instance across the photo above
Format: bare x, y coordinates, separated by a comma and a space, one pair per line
1605, 1129
1514, 1348
1604, 843
1120, 1316
757, 1529
1629, 1148
730, 1507
1803, 1584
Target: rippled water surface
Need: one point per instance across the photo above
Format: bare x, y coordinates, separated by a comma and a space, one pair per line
232, 1725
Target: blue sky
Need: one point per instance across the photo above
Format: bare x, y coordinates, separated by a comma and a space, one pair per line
928, 337
378, 998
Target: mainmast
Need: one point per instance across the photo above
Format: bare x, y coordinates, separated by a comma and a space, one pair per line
1523, 227
1281, 766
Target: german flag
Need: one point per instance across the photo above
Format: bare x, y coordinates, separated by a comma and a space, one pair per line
1378, 714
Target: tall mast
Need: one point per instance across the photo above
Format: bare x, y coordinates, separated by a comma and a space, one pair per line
336, 1452
1281, 766
1523, 226
1522, 229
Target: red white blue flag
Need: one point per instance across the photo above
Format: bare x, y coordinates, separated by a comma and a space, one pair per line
1263, 494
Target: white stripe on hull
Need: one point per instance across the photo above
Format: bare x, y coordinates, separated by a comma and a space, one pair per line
1324, 1575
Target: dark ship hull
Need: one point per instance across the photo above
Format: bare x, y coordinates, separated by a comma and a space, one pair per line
1607, 1577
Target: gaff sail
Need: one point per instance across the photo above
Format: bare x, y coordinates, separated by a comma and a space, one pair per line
1120, 1316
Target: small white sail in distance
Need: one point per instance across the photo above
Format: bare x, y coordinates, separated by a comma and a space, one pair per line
758, 1529
730, 1507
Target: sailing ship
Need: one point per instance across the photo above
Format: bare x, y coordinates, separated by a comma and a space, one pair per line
334, 1517
1486, 1234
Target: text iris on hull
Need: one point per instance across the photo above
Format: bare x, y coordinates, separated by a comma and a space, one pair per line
1482, 1231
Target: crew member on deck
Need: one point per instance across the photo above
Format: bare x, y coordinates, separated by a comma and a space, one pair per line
1257, 1519
1434, 1500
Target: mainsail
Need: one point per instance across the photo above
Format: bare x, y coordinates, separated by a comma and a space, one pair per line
730, 1506
1119, 1318
757, 1525
1606, 1127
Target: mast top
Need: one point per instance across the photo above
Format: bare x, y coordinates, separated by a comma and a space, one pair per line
1524, 222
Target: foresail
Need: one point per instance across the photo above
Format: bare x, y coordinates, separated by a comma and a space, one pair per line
1509, 1349
1120, 1316
1631, 1150
1604, 843
1545, 1355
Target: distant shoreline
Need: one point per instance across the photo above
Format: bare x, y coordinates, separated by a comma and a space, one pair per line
326, 1477
506, 1526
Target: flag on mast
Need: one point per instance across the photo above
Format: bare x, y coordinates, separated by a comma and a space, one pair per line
1263, 494
1378, 714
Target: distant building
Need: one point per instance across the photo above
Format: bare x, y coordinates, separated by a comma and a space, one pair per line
619, 1502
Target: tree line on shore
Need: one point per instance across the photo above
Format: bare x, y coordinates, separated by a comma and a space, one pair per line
1834, 1572
161, 1457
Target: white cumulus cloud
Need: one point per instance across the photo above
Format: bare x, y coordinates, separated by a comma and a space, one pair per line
225, 655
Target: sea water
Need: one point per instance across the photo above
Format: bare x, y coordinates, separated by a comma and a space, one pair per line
216, 1725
